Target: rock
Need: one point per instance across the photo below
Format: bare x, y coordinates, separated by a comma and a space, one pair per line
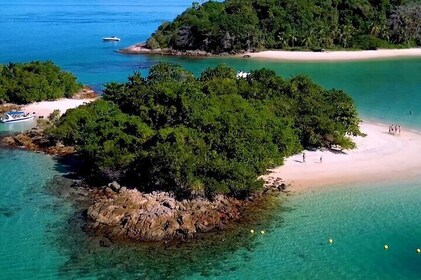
157, 216
114, 186
122, 189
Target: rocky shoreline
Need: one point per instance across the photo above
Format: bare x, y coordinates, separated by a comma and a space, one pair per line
118, 213
142, 48
122, 214
35, 140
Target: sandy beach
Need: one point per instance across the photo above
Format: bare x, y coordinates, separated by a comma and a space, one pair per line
379, 157
336, 55
45, 108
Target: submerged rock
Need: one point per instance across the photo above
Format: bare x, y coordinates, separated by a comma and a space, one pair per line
122, 213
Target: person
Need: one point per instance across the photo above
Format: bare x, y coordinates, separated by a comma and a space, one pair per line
321, 159
304, 157
399, 128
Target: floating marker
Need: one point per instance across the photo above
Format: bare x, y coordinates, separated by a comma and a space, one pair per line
386, 247
419, 251
330, 241
262, 232
252, 231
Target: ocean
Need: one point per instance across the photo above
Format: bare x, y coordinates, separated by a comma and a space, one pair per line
38, 239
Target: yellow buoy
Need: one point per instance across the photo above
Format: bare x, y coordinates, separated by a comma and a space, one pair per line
252, 231
386, 247
330, 241
419, 251
262, 232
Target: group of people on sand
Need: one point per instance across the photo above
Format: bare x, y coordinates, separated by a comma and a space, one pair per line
395, 129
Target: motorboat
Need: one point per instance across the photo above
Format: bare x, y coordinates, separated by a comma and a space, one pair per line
16, 116
111, 39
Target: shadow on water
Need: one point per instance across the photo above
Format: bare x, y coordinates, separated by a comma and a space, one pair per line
207, 255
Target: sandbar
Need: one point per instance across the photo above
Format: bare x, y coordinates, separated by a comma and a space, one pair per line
335, 55
379, 157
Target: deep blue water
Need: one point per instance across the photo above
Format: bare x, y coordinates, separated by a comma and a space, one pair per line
360, 218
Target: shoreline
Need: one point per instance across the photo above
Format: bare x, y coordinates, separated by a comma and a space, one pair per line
282, 55
379, 157
335, 55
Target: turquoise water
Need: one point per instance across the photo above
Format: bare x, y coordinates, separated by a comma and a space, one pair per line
28, 218
37, 242
360, 219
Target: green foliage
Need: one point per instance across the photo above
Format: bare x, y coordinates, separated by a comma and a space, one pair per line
35, 81
214, 134
236, 25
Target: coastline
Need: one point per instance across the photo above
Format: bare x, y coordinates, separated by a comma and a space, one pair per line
282, 55
335, 55
379, 157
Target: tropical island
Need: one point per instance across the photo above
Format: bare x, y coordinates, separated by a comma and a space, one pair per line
233, 27
189, 150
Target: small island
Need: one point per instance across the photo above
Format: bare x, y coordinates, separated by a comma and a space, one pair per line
188, 151
238, 27
40, 87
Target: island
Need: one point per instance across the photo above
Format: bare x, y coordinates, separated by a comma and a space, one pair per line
250, 27
171, 155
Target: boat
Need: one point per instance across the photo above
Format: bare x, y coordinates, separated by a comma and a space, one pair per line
111, 39
16, 116
242, 75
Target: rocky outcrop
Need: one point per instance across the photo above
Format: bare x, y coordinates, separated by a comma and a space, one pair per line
36, 140
143, 49
85, 93
121, 213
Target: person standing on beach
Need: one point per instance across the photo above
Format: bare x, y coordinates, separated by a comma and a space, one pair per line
399, 129
321, 159
304, 157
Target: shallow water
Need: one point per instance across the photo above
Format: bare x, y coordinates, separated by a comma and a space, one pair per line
38, 241
28, 218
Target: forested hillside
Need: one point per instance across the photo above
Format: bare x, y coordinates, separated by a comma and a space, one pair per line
239, 25
209, 135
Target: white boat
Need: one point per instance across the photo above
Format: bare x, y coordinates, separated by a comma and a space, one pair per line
242, 75
16, 116
111, 39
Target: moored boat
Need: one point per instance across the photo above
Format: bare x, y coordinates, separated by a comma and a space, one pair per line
111, 39
16, 116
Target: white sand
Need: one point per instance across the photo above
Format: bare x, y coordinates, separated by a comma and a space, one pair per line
45, 108
379, 157
336, 55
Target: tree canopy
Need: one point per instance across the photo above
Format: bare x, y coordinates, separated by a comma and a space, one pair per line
35, 81
212, 134
238, 25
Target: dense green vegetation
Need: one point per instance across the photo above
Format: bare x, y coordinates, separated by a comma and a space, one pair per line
236, 25
211, 134
22, 83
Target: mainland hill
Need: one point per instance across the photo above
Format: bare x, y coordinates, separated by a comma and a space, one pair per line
234, 26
